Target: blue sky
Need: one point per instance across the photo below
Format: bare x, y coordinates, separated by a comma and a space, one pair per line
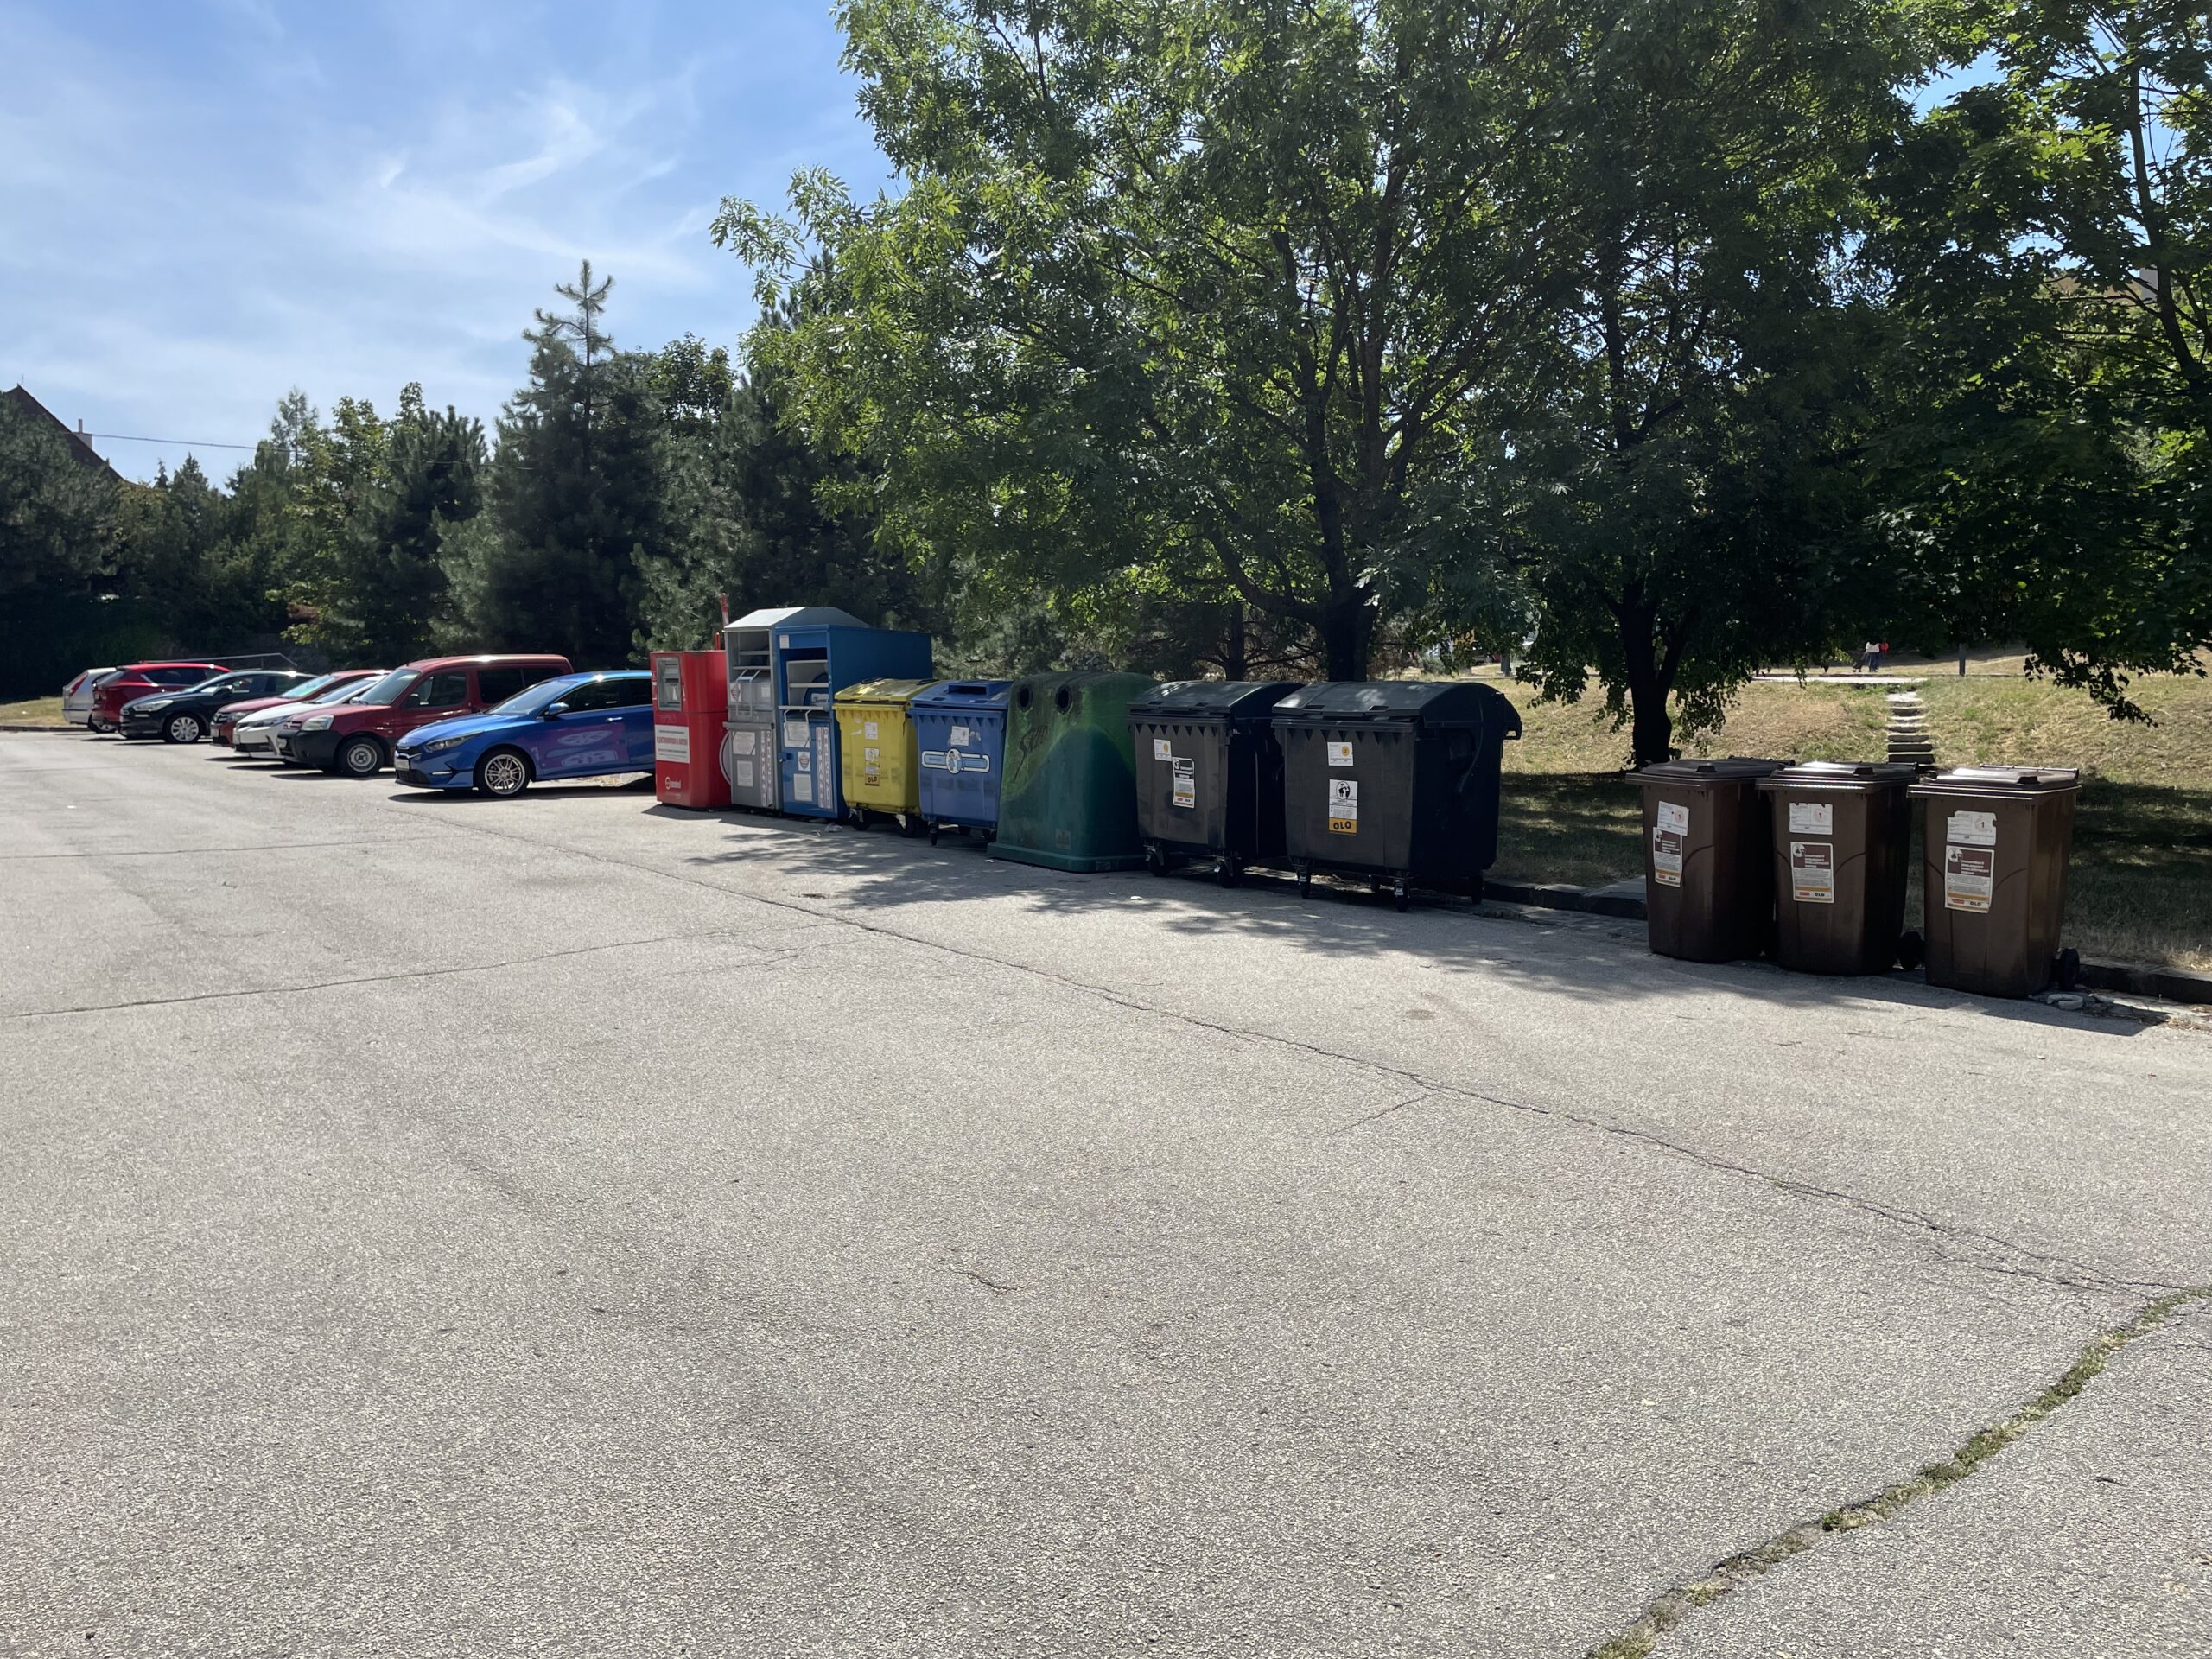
207, 202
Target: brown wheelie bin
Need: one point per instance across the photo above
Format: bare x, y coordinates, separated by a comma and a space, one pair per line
1842, 849
1993, 871
1708, 891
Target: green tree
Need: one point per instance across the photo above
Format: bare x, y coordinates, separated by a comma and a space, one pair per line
56, 513
576, 501
2047, 238
1198, 302
1683, 502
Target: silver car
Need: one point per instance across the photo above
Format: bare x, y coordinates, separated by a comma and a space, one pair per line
257, 734
76, 696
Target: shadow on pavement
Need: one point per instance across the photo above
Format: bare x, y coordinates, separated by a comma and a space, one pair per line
879, 869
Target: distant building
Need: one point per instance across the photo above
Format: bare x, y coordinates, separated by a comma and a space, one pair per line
79, 446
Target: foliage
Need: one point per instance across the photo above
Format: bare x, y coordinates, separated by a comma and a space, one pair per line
2047, 235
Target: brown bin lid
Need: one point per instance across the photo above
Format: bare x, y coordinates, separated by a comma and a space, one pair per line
1734, 769
2001, 780
1842, 774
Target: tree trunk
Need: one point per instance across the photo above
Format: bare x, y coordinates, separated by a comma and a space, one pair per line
1233, 656
1651, 727
1344, 638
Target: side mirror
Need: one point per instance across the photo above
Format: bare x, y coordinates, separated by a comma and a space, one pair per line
553, 711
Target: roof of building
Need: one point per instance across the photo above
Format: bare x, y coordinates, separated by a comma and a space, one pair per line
77, 446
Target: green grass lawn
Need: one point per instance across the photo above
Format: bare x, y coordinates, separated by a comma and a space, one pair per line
2141, 886
32, 711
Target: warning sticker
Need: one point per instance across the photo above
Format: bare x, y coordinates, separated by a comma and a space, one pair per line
1162, 749
741, 742
1340, 754
673, 744
794, 733
1972, 829
804, 760
741, 774
1343, 806
868, 728
1667, 855
1969, 876
959, 736
871, 755
803, 787
1812, 870
1812, 818
1675, 816
1187, 784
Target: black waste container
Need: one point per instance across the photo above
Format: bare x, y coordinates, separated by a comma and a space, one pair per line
1395, 780
1210, 774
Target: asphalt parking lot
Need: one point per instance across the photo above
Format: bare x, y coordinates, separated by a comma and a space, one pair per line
570, 1226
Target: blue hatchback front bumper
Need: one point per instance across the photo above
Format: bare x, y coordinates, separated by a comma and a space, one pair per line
454, 769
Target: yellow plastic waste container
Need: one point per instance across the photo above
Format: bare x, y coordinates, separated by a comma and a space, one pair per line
878, 760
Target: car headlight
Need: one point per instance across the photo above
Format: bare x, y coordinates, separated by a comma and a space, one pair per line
438, 746
317, 723
152, 703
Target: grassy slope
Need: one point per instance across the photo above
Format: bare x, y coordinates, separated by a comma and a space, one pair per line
33, 711
2141, 887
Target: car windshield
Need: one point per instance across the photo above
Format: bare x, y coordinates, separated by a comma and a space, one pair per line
388, 689
204, 685
536, 697
307, 688
345, 690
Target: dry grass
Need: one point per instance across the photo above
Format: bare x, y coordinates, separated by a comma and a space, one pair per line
32, 711
2140, 889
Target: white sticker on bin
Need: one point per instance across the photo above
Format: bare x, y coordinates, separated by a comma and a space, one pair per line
1812, 818
1812, 872
1343, 806
959, 737
672, 743
1340, 754
1969, 877
1162, 749
1675, 817
869, 729
1972, 829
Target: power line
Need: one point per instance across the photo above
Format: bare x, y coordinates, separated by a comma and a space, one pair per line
181, 443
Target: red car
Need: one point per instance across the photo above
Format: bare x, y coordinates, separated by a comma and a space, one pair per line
143, 680
354, 738
226, 719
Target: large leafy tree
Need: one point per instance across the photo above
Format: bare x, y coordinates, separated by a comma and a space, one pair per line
1683, 502
1194, 302
2048, 236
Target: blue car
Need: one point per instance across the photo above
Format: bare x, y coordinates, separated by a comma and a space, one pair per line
575, 726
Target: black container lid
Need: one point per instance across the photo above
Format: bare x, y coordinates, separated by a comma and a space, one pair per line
1439, 703
1186, 699
1734, 769
1842, 774
2001, 780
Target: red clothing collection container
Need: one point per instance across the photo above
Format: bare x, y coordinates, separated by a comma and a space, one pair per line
691, 704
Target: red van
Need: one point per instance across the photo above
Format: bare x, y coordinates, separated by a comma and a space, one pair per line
354, 738
143, 680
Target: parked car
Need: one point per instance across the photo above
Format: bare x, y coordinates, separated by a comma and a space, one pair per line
142, 680
184, 716
256, 735
76, 696
224, 729
355, 738
575, 726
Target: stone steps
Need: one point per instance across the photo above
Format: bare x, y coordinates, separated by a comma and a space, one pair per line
1909, 739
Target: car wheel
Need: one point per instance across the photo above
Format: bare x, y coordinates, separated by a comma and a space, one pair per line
360, 757
180, 728
502, 773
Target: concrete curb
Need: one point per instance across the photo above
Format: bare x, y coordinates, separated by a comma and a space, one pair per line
5, 729
2136, 978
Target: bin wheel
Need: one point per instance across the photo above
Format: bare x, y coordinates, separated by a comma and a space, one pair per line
932, 832
1398, 895
1154, 859
1229, 872
2069, 968
910, 825
1912, 949
1304, 878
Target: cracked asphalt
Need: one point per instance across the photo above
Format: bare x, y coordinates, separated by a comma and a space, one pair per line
571, 1226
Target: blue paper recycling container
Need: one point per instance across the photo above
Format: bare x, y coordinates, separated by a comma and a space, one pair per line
960, 730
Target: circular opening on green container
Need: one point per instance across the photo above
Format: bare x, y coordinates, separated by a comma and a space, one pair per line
1061, 699
1023, 696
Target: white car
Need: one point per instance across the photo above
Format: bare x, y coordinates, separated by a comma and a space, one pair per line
256, 733
76, 696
